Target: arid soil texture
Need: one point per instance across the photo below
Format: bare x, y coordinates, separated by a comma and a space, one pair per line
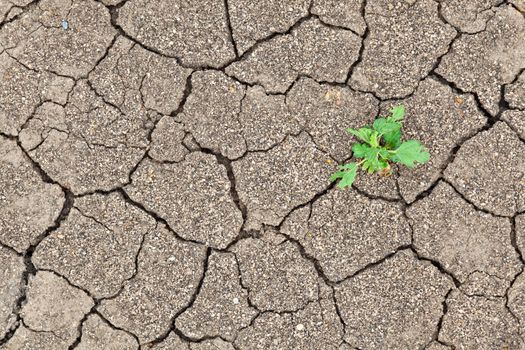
164, 175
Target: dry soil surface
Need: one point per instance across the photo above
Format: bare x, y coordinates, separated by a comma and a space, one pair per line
164, 175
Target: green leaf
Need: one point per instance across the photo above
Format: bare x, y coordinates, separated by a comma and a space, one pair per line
398, 113
360, 150
393, 139
348, 166
383, 153
386, 126
371, 159
347, 174
381, 145
383, 164
342, 168
373, 163
362, 134
374, 158
374, 139
410, 153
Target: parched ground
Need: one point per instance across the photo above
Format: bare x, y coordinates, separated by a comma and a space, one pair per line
164, 173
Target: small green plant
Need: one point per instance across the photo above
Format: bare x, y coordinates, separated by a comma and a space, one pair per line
382, 145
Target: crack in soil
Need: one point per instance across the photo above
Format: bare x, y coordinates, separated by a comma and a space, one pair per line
173, 328
30, 269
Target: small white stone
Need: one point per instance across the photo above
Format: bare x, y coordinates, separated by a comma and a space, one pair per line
235, 301
172, 258
299, 327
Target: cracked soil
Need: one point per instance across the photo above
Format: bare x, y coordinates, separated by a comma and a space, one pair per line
164, 173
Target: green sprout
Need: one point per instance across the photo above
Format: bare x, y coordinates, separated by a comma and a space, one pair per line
382, 145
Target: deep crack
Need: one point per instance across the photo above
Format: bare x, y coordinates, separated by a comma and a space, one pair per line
30, 269
190, 303
364, 37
